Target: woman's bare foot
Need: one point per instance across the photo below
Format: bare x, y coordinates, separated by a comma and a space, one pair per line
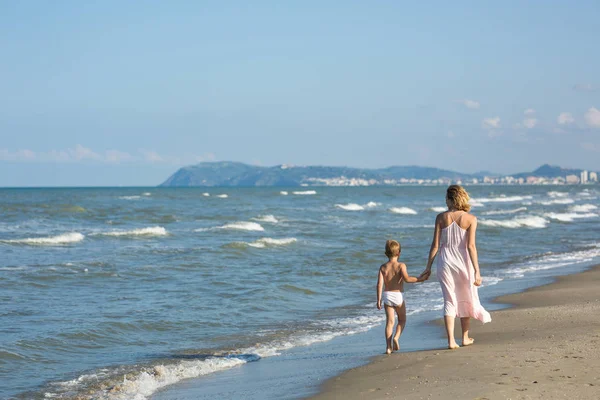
468, 341
388, 351
453, 346
396, 346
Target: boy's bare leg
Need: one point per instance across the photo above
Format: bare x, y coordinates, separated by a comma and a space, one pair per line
465, 324
389, 328
449, 322
401, 312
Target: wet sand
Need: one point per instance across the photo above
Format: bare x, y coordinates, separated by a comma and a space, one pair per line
547, 346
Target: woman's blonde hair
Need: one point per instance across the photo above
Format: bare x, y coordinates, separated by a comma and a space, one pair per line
458, 197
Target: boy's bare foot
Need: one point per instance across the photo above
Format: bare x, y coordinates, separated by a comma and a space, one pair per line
396, 345
388, 351
468, 341
453, 346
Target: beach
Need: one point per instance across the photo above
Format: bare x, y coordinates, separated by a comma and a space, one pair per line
545, 346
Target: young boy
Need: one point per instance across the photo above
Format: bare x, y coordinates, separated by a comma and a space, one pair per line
390, 291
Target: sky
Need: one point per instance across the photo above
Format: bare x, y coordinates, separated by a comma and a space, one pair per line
118, 93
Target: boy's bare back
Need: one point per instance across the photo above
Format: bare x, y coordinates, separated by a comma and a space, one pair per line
392, 276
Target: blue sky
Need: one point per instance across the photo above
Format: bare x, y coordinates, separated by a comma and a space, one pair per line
124, 93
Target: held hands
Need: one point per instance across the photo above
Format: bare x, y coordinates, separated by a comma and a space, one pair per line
424, 276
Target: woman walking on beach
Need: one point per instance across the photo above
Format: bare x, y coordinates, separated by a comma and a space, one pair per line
457, 265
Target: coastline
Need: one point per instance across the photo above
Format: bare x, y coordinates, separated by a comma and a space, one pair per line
545, 345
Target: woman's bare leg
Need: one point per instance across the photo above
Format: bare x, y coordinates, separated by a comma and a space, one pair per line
465, 324
449, 322
389, 328
401, 312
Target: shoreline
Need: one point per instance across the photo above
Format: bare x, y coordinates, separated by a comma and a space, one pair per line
544, 345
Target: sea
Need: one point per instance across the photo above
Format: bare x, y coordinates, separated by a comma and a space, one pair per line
258, 293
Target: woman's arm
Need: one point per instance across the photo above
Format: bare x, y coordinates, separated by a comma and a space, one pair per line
435, 244
379, 289
472, 248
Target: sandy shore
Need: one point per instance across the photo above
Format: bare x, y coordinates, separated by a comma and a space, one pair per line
545, 347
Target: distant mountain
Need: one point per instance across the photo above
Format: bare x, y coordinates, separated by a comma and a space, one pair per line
228, 173
238, 174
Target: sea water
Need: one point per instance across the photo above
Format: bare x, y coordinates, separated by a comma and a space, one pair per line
120, 293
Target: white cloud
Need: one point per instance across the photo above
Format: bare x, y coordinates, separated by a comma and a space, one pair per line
471, 104
19, 155
116, 156
491, 123
83, 153
529, 111
151, 156
565, 118
592, 117
586, 87
530, 123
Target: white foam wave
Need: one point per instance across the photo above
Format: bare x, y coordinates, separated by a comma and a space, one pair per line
265, 242
130, 197
569, 217
206, 194
403, 210
65, 238
556, 201
305, 192
502, 212
283, 193
267, 218
350, 207
372, 204
554, 261
583, 208
239, 226
141, 385
150, 231
146, 194
517, 222
501, 199
475, 203
222, 196
558, 194
438, 209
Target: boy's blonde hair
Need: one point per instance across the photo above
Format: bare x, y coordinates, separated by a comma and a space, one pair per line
458, 197
392, 248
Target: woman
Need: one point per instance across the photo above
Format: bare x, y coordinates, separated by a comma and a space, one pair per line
457, 265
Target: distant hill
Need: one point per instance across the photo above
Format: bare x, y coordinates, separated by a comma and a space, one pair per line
239, 174
228, 173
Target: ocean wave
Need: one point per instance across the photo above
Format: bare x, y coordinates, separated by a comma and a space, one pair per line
141, 382
222, 196
583, 208
283, 193
502, 212
558, 194
555, 201
265, 242
403, 210
150, 231
146, 194
305, 192
267, 218
63, 239
475, 203
240, 226
517, 222
501, 199
438, 209
552, 261
130, 197
350, 207
569, 217
206, 194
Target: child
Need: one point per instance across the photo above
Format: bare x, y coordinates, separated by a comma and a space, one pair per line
392, 276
